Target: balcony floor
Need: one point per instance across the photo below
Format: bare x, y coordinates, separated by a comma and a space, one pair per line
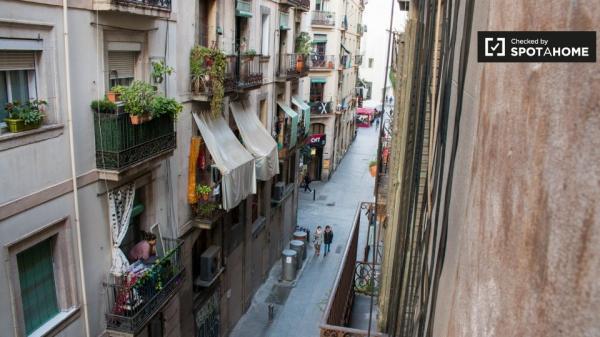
360, 313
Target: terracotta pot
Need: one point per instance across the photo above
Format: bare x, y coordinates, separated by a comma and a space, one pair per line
299, 65
373, 170
139, 119
205, 196
113, 96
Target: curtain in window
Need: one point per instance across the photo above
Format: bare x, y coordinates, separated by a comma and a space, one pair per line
120, 204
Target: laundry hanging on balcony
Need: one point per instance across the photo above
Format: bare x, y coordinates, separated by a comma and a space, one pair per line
257, 140
120, 205
237, 166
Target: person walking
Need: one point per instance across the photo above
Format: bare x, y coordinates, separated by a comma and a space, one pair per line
377, 123
318, 240
307, 183
327, 239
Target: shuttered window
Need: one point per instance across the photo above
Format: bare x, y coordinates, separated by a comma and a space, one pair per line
121, 66
17, 60
38, 289
17, 78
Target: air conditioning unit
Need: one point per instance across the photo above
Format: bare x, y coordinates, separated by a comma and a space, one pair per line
279, 190
210, 263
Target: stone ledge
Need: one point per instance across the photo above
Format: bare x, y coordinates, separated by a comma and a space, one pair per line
12, 140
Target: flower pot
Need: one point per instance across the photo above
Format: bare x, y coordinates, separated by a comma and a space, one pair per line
205, 196
139, 119
113, 96
330, 64
373, 170
299, 64
18, 125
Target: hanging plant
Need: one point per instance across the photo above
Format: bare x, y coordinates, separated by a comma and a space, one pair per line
207, 64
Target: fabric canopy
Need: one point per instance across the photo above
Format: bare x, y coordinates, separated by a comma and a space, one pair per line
294, 127
120, 207
257, 141
306, 111
233, 161
318, 80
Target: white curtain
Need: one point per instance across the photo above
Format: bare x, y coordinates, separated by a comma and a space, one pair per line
120, 204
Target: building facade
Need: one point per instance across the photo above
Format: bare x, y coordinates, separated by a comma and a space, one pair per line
95, 185
336, 31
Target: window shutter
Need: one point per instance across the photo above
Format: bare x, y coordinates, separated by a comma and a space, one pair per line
121, 62
17, 60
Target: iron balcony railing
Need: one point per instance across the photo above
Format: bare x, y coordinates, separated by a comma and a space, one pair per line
249, 71
154, 4
120, 144
134, 298
318, 107
292, 65
204, 85
322, 62
322, 18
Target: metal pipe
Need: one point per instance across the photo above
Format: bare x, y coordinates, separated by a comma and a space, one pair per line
76, 222
385, 77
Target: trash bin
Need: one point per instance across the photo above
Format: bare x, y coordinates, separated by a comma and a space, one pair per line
298, 246
288, 264
302, 236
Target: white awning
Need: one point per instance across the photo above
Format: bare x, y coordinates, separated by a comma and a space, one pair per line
235, 163
257, 140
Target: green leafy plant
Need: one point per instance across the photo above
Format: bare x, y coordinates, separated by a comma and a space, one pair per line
206, 209
118, 89
103, 106
249, 53
159, 70
137, 98
31, 112
303, 44
203, 189
209, 64
161, 105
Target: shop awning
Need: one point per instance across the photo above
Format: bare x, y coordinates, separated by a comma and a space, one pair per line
306, 112
236, 165
318, 80
294, 127
319, 38
257, 140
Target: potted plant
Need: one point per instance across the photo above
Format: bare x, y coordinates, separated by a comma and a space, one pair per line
330, 65
203, 191
303, 48
114, 94
160, 70
25, 117
373, 168
161, 105
207, 68
137, 100
250, 53
206, 210
104, 106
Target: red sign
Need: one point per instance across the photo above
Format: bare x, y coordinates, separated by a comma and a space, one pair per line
316, 139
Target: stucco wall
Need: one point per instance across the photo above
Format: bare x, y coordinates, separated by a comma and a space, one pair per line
522, 254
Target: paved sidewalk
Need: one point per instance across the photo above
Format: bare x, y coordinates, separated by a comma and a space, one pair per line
298, 310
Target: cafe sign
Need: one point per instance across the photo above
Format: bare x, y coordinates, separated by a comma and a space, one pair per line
316, 140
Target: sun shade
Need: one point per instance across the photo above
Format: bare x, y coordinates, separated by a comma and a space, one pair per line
231, 158
306, 111
294, 125
257, 140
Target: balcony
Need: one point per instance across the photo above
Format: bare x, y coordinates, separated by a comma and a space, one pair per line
292, 66
122, 146
284, 21
202, 88
319, 62
358, 60
321, 18
243, 8
345, 62
249, 72
302, 5
318, 107
355, 282
158, 8
133, 299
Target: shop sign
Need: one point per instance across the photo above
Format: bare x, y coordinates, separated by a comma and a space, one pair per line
316, 140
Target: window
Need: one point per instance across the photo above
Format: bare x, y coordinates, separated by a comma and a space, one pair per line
370, 63
319, 5
317, 129
38, 289
264, 46
121, 67
316, 92
17, 78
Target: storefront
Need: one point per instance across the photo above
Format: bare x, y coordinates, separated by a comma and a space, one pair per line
316, 142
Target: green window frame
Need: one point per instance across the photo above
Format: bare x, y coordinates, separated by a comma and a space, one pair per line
38, 288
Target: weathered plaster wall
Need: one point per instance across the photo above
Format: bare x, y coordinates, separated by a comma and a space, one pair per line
524, 229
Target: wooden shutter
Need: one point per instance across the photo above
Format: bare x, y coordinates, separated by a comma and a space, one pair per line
17, 60
121, 62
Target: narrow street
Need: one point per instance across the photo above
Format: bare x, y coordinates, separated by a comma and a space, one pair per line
298, 309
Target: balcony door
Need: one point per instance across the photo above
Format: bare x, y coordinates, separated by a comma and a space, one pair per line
316, 92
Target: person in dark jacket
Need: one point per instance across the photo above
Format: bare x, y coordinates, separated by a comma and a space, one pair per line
327, 239
307, 183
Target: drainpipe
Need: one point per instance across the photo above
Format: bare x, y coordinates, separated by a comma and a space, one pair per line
74, 171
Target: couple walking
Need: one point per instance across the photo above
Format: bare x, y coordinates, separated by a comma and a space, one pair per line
321, 237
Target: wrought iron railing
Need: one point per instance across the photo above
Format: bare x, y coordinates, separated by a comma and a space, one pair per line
366, 280
120, 144
154, 4
249, 71
134, 298
339, 306
292, 65
322, 18
321, 61
204, 85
